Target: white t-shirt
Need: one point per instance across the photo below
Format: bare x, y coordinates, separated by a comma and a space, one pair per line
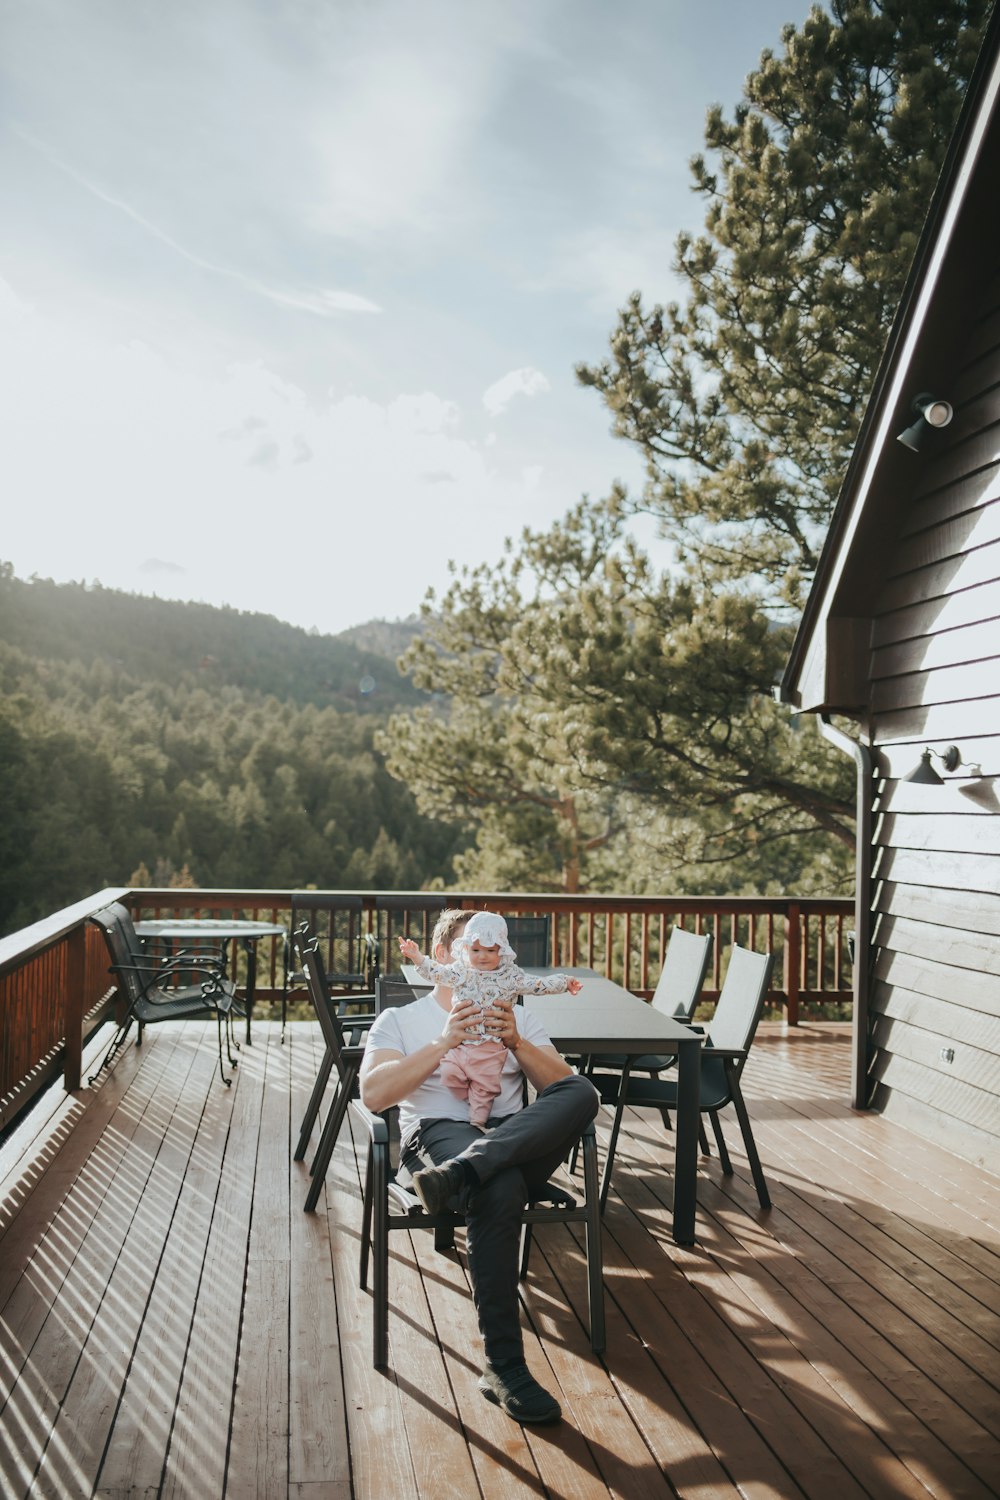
407, 1028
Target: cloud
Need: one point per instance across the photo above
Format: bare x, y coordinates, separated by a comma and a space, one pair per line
266, 454
324, 303
605, 265
523, 382
209, 464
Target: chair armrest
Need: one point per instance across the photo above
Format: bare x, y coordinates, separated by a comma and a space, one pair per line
206, 954
190, 966
343, 1001
377, 1128
733, 1052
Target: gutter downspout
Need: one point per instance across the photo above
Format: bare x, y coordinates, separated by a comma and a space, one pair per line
862, 905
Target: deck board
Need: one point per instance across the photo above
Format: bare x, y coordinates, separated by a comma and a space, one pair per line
172, 1324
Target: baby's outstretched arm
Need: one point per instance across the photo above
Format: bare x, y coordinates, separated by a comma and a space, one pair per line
547, 984
429, 967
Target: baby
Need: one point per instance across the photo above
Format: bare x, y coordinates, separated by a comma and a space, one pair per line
485, 973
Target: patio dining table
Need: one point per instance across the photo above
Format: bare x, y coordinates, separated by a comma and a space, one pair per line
224, 930
605, 1017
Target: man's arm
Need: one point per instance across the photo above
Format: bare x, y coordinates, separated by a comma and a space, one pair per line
540, 1065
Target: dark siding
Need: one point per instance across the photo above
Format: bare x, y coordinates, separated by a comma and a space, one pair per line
936, 681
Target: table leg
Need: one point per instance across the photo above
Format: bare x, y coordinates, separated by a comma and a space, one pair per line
251, 951
686, 1140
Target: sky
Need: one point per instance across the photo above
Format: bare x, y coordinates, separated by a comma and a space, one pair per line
292, 291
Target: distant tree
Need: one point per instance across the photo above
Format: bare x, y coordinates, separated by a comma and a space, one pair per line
102, 774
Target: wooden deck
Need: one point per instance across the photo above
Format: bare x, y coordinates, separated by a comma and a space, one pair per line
173, 1324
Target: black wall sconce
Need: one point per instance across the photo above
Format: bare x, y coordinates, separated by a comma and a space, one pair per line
923, 772
931, 414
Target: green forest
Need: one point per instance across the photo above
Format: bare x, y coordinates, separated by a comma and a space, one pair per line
146, 741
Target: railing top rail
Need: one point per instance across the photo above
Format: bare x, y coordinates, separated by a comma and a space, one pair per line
182, 896
21, 945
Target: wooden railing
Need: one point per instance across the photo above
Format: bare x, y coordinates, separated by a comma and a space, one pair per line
55, 986
54, 990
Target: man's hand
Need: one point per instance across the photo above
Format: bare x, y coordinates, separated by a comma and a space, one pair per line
459, 1023
501, 1024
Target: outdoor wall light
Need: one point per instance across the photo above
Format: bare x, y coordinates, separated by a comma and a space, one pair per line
924, 773
931, 414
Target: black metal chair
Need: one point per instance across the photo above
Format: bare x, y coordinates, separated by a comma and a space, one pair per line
723, 1058
152, 988
400, 911
530, 938
314, 918
344, 1040
393, 989
389, 1205
676, 995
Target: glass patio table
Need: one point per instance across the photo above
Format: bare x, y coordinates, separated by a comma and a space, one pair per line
221, 930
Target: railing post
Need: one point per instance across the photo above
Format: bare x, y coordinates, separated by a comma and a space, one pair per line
76, 970
793, 962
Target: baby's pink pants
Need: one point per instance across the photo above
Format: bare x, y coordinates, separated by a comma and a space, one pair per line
473, 1073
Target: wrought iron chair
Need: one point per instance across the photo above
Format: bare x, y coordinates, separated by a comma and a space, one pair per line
723, 1058
531, 941
344, 1039
151, 988
389, 1205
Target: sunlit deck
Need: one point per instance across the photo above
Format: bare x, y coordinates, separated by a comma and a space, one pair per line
174, 1324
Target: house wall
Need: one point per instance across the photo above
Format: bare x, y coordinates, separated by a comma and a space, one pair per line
935, 680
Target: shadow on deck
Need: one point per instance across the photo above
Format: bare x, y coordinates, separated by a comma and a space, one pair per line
173, 1324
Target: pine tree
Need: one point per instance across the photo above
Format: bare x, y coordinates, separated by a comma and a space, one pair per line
745, 396
608, 719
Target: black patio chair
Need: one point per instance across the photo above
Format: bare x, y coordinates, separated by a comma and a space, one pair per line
315, 919
531, 941
393, 989
389, 1205
152, 988
420, 910
676, 995
723, 1058
344, 1039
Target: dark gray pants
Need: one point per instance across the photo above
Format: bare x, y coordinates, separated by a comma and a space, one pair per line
516, 1154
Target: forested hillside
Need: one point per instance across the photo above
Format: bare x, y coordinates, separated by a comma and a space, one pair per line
164, 641
147, 740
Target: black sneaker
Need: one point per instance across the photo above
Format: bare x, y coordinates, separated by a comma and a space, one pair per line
436, 1186
520, 1395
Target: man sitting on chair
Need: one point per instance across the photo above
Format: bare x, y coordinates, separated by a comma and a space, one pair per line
485, 1175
